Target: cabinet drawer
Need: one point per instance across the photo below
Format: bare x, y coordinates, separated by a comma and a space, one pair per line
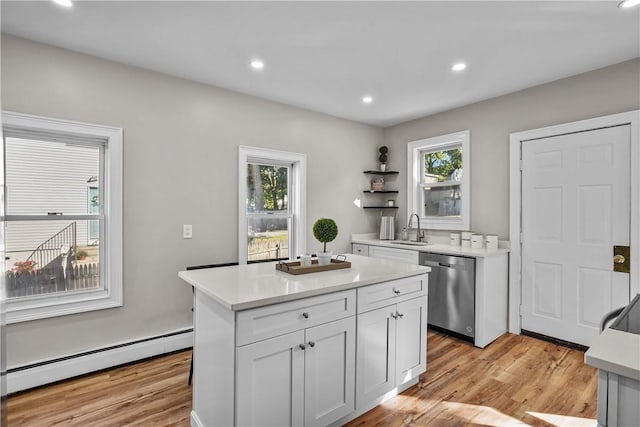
266, 322
359, 249
376, 296
404, 255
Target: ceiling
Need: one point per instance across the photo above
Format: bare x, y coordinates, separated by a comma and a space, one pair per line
325, 56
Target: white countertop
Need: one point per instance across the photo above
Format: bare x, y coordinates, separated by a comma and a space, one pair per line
430, 247
616, 351
254, 285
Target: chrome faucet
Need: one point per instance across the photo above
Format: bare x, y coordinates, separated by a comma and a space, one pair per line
419, 233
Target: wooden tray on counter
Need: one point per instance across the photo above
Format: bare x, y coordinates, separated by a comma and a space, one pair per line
294, 267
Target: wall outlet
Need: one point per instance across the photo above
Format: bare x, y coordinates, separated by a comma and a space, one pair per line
187, 231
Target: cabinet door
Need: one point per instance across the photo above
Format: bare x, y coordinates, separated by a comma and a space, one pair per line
270, 382
376, 355
330, 373
411, 339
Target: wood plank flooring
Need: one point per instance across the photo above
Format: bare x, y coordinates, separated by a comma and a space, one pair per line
516, 380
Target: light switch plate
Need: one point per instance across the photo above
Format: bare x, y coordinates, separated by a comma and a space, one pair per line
187, 231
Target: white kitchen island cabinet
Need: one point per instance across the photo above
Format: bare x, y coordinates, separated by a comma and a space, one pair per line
275, 349
389, 355
302, 378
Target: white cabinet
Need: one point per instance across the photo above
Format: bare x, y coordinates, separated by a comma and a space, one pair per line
305, 377
270, 382
618, 398
302, 378
403, 255
359, 249
391, 348
298, 363
329, 372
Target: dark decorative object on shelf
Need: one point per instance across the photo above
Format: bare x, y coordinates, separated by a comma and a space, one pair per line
382, 157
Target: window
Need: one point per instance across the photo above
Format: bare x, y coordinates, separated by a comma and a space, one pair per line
272, 215
63, 216
438, 181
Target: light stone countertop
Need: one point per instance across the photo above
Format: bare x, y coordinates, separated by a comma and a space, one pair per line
436, 247
616, 351
255, 285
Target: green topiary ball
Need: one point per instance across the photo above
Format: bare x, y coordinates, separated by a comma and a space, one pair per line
325, 230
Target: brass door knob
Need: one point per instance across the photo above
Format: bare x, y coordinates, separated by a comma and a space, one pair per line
619, 259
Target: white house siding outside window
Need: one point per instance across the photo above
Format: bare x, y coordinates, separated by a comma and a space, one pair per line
63, 216
271, 188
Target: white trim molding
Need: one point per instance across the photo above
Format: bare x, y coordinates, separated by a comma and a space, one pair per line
631, 118
298, 190
46, 372
111, 293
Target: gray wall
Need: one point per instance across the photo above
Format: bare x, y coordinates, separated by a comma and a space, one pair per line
609, 90
180, 167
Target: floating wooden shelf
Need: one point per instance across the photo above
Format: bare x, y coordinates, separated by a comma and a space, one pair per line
380, 207
382, 173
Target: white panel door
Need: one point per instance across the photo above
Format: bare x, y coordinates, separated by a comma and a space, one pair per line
330, 372
411, 339
270, 382
575, 208
376, 356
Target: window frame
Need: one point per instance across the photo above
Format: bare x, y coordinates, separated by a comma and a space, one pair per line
111, 254
297, 196
415, 168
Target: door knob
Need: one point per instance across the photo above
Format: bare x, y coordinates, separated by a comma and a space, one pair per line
619, 259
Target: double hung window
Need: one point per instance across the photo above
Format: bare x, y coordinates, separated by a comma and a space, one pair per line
63, 216
271, 204
438, 181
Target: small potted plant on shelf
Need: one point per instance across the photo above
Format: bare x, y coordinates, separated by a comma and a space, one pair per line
325, 230
382, 157
81, 255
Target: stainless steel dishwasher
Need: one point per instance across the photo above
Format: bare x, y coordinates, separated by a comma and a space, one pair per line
451, 292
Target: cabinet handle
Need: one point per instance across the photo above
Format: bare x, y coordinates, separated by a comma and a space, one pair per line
312, 344
396, 291
302, 346
400, 315
395, 316
305, 315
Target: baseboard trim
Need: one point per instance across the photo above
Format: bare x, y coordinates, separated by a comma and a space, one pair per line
556, 341
48, 371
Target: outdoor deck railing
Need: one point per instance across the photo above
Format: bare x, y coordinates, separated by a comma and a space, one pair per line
51, 249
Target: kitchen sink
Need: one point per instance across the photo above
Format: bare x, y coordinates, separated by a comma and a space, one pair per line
408, 243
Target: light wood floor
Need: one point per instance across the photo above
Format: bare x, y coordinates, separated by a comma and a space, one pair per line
516, 380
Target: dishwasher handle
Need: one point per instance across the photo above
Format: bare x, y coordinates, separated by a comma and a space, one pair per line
430, 263
436, 264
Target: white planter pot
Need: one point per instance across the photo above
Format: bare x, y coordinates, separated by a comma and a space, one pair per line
383, 167
324, 258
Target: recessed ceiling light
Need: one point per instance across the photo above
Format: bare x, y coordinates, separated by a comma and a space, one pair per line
65, 3
256, 64
628, 3
367, 99
459, 66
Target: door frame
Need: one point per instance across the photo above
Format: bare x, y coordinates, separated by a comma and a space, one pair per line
516, 139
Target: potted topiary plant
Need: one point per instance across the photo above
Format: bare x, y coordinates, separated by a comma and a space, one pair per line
382, 157
325, 230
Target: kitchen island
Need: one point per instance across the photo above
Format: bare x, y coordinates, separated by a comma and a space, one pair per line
315, 349
616, 354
